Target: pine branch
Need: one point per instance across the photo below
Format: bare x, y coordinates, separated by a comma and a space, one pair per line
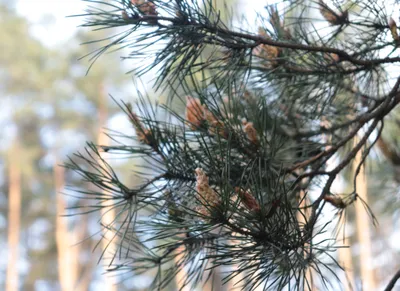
393, 281
250, 140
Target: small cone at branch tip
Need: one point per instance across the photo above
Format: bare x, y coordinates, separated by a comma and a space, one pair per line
251, 132
393, 29
267, 52
248, 199
146, 7
331, 16
205, 194
335, 200
143, 135
194, 112
215, 126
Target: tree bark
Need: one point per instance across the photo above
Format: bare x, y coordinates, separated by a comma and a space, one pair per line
67, 257
363, 228
85, 275
345, 260
14, 214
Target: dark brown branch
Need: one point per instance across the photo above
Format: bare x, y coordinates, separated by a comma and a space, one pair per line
379, 114
363, 118
393, 281
258, 39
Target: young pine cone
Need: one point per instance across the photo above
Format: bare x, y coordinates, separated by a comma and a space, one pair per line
251, 132
248, 199
143, 135
194, 112
393, 30
267, 52
215, 126
205, 194
332, 17
146, 8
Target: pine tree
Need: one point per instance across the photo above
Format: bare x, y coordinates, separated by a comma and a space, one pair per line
277, 101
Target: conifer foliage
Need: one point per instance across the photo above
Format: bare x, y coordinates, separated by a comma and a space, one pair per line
227, 179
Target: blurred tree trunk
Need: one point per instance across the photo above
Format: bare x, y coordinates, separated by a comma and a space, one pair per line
107, 214
363, 228
346, 261
345, 258
67, 256
215, 282
86, 268
181, 275
72, 275
14, 214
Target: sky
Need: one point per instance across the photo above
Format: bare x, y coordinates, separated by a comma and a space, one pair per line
61, 27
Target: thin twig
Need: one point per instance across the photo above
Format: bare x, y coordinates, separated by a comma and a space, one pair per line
393, 281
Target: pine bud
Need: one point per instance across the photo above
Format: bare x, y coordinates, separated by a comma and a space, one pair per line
215, 126
143, 135
251, 132
331, 16
205, 194
248, 199
267, 52
194, 112
393, 29
146, 7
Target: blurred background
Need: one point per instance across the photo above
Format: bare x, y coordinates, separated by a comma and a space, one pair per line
49, 108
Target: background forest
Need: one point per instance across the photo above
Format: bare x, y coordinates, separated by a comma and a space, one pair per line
50, 108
